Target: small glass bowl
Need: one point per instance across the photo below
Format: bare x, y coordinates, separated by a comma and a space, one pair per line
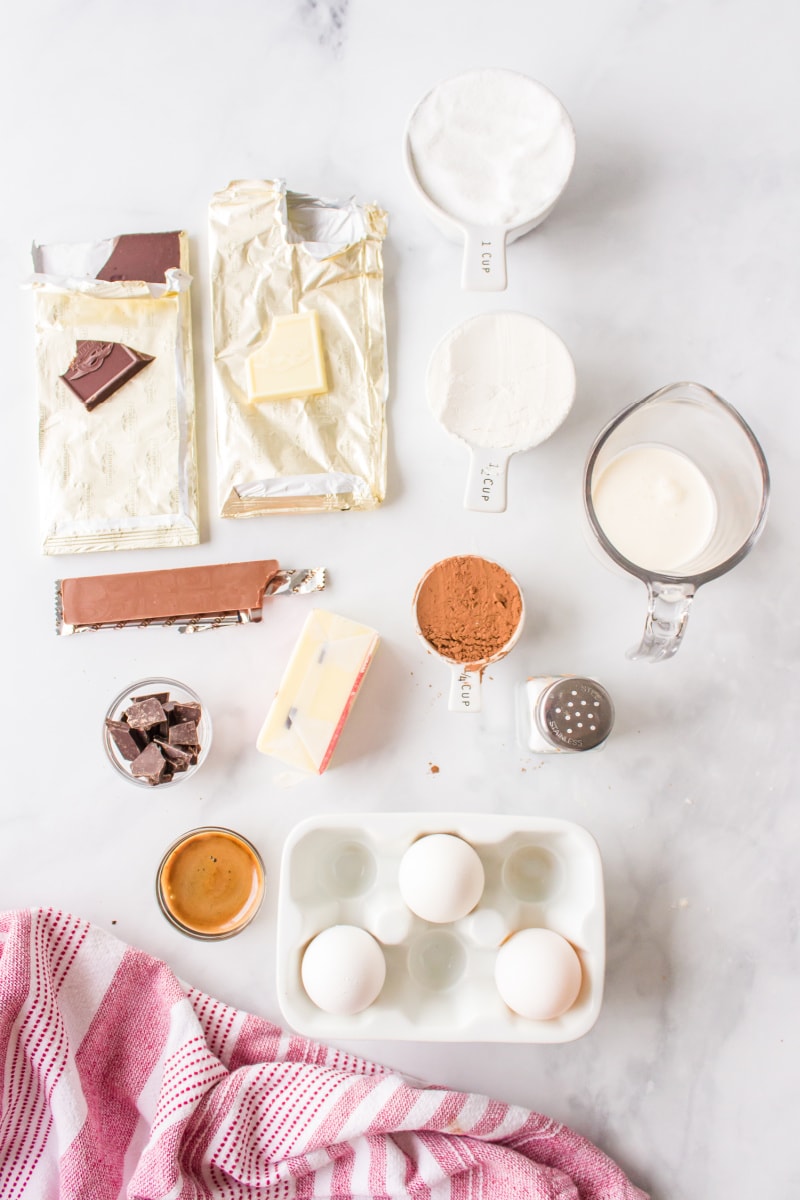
145, 687
207, 900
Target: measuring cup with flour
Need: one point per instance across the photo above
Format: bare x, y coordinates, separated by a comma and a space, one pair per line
489, 152
469, 611
502, 382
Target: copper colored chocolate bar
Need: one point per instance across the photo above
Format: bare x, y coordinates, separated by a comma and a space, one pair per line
101, 368
142, 257
159, 595
189, 597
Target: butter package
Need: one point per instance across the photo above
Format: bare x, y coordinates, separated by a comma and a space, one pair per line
317, 691
300, 372
113, 353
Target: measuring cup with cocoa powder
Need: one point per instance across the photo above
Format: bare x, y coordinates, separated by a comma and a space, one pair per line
469, 611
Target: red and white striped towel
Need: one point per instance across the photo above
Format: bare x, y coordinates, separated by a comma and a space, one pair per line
116, 1081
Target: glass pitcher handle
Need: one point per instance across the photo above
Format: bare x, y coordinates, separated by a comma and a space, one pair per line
667, 614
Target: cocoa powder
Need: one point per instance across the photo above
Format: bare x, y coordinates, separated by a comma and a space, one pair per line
468, 609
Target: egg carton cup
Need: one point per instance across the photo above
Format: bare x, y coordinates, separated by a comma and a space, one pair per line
342, 869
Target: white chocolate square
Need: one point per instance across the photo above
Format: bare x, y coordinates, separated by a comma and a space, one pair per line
291, 362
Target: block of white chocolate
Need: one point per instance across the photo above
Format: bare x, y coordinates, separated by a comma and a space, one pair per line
316, 693
291, 362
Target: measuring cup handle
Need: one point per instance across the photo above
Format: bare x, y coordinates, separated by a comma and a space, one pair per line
484, 265
486, 482
465, 690
667, 614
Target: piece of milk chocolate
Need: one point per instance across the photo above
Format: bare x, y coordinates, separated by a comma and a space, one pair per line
316, 693
189, 597
99, 369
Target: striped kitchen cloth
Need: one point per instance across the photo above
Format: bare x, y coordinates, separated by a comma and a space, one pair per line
118, 1081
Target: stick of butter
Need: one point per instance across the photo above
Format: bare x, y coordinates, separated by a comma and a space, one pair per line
291, 362
316, 693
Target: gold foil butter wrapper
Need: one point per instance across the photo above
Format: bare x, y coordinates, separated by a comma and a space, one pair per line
124, 475
277, 252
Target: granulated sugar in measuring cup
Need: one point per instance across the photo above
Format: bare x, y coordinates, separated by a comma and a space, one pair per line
502, 382
489, 152
470, 612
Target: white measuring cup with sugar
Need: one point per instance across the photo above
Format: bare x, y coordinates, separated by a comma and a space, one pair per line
501, 382
489, 152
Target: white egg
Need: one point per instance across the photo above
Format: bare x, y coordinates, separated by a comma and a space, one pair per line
538, 974
343, 970
441, 878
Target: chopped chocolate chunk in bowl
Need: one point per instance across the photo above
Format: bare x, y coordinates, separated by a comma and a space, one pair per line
156, 732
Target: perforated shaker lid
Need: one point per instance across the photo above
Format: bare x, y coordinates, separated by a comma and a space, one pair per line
576, 713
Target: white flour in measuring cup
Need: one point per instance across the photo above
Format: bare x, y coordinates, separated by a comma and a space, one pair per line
501, 382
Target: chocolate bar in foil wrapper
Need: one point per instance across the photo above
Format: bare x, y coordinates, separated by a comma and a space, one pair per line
276, 253
121, 475
190, 598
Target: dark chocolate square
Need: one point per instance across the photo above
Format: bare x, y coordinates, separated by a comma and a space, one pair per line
99, 369
145, 714
123, 739
187, 712
142, 257
176, 755
150, 764
184, 734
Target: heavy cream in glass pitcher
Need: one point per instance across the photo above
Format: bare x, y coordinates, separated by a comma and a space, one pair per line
675, 492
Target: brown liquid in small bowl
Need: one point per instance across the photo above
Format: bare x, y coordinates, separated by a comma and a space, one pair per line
210, 883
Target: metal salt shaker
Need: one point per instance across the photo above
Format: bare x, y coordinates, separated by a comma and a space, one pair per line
563, 714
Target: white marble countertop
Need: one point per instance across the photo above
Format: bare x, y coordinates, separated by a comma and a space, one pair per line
672, 255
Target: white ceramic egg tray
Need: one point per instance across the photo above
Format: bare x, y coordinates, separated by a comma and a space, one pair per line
342, 870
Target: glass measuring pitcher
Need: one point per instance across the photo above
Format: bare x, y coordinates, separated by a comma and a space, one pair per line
675, 491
